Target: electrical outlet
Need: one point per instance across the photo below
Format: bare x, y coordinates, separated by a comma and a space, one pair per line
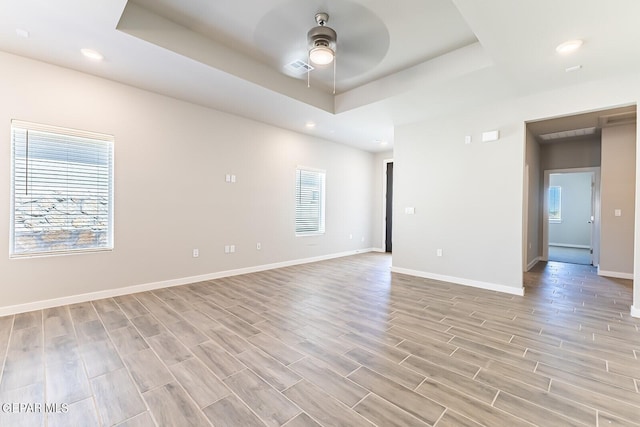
350, 236
227, 249
363, 239
232, 249
438, 252
258, 246
196, 253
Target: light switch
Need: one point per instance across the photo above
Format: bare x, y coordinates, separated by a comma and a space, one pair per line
467, 139
233, 178
227, 178
410, 211
617, 212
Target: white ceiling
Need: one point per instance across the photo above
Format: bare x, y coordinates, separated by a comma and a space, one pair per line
397, 62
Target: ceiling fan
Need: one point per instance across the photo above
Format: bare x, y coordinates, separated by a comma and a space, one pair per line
286, 36
322, 46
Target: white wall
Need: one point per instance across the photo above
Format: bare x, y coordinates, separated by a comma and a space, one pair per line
469, 198
574, 230
171, 158
618, 191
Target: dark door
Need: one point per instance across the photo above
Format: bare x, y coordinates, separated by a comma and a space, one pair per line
389, 219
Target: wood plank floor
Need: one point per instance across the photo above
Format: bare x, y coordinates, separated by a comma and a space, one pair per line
336, 343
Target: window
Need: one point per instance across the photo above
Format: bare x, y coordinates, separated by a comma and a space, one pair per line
555, 204
309, 201
62, 190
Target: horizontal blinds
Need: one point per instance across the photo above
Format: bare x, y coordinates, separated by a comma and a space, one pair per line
62, 190
309, 201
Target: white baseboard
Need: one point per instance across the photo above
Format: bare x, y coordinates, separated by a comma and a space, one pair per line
615, 274
460, 281
635, 311
380, 250
569, 245
533, 263
110, 293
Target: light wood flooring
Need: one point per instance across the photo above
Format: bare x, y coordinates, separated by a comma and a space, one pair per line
336, 343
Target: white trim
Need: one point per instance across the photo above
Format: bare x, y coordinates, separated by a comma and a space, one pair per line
615, 274
460, 281
635, 311
533, 263
379, 250
109, 293
569, 245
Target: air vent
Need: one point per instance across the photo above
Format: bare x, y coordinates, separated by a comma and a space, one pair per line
298, 67
568, 134
617, 119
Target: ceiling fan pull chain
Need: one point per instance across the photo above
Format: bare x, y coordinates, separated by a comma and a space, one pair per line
308, 69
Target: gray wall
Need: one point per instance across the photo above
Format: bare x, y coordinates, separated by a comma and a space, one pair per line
532, 226
581, 153
468, 199
171, 158
618, 192
574, 229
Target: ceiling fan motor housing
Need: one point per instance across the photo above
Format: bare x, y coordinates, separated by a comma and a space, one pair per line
322, 35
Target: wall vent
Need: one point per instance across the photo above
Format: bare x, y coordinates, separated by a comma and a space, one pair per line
568, 134
617, 119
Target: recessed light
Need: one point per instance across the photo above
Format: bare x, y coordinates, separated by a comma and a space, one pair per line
92, 54
569, 46
22, 33
310, 125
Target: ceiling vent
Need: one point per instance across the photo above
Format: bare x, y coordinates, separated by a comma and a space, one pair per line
617, 119
298, 67
568, 134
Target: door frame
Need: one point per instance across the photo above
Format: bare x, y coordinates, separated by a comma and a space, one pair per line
596, 208
385, 162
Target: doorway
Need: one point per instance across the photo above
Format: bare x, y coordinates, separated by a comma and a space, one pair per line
388, 214
571, 215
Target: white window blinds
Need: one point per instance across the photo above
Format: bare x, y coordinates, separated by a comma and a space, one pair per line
62, 190
310, 198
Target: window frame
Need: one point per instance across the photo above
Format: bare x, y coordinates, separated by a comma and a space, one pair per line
104, 145
321, 229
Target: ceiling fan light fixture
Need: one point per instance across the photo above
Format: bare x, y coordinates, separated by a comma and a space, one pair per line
321, 55
322, 45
